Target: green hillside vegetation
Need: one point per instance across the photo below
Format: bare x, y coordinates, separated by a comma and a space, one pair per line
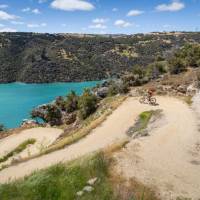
39, 58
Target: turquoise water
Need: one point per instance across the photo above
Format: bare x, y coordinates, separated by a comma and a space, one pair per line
18, 99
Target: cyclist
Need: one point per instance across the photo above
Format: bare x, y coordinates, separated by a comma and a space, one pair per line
150, 93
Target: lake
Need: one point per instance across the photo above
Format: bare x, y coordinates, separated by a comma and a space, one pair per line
18, 99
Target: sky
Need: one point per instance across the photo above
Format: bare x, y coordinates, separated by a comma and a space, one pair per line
99, 16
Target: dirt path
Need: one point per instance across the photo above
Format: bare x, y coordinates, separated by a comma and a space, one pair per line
112, 130
169, 159
47, 135
44, 137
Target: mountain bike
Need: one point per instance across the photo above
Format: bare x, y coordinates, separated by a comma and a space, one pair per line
147, 100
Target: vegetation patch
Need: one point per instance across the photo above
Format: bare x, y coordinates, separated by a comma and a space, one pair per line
90, 123
62, 182
65, 181
18, 149
188, 100
141, 124
2, 128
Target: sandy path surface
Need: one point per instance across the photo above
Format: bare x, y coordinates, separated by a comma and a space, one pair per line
168, 159
44, 137
112, 130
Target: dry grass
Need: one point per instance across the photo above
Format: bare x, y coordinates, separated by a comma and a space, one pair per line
188, 100
116, 147
130, 189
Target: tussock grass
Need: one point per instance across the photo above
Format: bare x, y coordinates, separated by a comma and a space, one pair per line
63, 181
141, 124
188, 100
145, 118
18, 149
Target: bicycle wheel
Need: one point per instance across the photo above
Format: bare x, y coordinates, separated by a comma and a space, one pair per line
153, 101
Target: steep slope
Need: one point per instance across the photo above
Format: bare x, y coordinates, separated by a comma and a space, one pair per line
38, 58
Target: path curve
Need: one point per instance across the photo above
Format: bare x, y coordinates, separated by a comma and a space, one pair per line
43, 136
110, 131
169, 159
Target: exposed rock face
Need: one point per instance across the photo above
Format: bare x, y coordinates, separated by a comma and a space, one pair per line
102, 92
39, 58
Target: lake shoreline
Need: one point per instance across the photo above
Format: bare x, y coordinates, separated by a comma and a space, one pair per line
17, 99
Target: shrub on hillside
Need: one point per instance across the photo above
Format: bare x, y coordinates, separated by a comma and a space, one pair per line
113, 89
53, 115
87, 104
60, 102
139, 71
156, 69
177, 65
2, 128
71, 103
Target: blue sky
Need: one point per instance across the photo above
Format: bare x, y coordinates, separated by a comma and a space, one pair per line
99, 16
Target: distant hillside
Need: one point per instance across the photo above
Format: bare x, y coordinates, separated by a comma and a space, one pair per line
38, 58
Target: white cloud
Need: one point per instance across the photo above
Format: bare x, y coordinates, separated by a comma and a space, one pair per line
123, 24
36, 11
36, 25
8, 30
17, 22
172, 7
6, 16
134, 13
26, 9
99, 21
3, 6
72, 5
115, 9
98, 26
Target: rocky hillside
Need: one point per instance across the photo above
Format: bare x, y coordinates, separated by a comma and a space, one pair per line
38, 58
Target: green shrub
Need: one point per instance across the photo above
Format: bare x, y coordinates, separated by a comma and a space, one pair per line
177, 65
53, 115
156, 69
139, 70
60, 102
2, 128
71, 103
113, 89
87, 104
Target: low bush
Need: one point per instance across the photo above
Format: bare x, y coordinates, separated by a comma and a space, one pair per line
87, 104
2, 128
177, 65
53, 115
71, 103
